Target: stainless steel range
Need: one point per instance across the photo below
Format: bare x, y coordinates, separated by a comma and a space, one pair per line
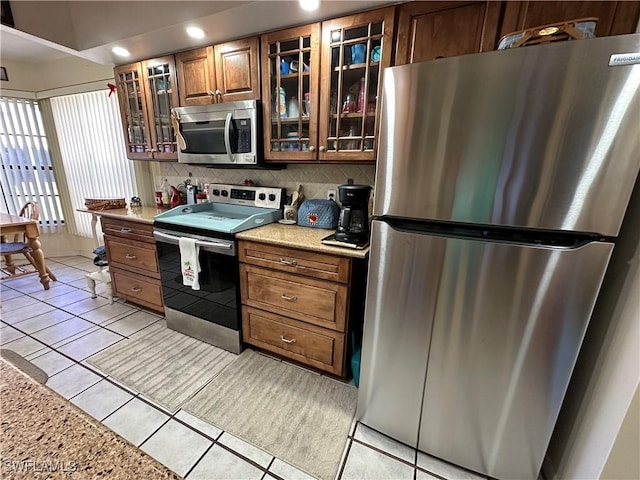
211, 314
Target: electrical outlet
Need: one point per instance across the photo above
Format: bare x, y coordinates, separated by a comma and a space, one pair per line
331, 195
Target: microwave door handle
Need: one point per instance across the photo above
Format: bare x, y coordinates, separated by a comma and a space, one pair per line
227, 135
175, 120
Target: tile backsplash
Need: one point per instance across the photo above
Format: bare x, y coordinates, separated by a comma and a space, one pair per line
315, 179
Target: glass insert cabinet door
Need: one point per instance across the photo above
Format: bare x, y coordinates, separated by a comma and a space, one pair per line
162, 95
133, 110
292, 59
356, 49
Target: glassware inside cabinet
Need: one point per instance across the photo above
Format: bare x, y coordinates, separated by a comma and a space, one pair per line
290, 100
159, 81
129, 89
355, 78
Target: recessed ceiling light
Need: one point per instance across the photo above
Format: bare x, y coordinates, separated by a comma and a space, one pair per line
195, 32
123, 52
309, 4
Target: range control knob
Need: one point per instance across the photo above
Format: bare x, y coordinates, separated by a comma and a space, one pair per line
262, 196
272, 197
224, 193
216, 192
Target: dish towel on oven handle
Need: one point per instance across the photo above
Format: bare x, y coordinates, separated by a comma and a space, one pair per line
189, 263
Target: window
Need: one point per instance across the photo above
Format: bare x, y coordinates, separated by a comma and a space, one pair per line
94, 158
26, 173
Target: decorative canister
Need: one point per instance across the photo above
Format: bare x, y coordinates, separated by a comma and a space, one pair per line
281, 102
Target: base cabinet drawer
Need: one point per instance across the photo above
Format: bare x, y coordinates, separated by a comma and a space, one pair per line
132, 255
127, 229
318, 302
298, 262
138, 289
314, 346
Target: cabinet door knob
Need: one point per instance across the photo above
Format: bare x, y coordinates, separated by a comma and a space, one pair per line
128, 256
286, 340
321, 148
148, 150
289, 297
125, 230
293, 263
136, 289
312, 148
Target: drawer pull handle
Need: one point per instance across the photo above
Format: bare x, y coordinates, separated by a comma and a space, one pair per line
293, 263
290, 298
125, 230
136, 289
128, 256
286, 340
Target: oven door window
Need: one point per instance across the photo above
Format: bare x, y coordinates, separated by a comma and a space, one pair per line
217, 299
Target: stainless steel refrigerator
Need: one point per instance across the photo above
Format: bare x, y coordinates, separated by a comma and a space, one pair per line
501, 185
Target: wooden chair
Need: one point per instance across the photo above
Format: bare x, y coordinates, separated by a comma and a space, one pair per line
19, 245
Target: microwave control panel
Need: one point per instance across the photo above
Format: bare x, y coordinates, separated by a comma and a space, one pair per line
244, 136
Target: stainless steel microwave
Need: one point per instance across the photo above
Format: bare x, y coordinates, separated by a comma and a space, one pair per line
219, 134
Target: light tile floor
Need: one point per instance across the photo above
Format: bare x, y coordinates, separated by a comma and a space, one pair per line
60, 328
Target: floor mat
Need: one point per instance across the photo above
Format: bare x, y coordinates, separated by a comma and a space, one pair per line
298, 416
164, 365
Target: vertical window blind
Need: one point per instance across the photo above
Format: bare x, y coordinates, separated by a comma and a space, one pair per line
26, 172
93, 153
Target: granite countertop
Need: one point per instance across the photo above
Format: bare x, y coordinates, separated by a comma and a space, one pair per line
45, 436
134, 214
296, 236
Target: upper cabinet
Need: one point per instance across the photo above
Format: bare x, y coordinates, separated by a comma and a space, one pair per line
147, 91
224, 73
196, 75
291, 71
614, 18
322, 83
321, 88
432, 30
355, 51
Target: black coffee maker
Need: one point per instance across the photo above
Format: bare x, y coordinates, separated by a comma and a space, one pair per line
353, 225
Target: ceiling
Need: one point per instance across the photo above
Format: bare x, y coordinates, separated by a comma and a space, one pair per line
90, 29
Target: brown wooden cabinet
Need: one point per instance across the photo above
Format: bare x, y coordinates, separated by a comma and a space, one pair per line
327, 110
431, 30
321, 83
133, 262
196, 76
146, 92
290, 98
614, 18
221, 73
299, 304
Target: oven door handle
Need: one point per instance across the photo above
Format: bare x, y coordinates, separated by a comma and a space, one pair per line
227, 136
172, 239
206, 245
175, 240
